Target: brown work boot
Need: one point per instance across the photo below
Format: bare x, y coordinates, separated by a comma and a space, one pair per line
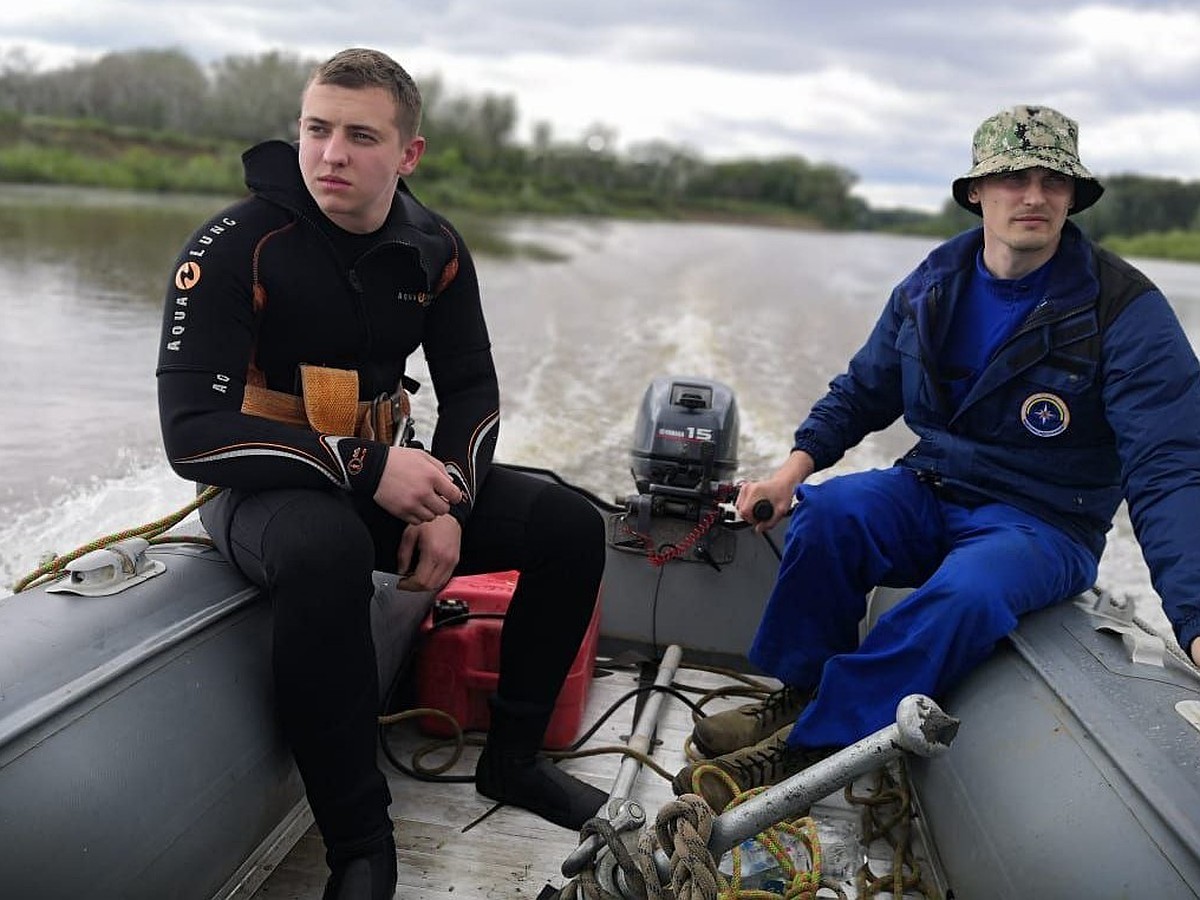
767, 762
745, 726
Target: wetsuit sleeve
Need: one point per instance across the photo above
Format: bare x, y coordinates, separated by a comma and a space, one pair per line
867, 397
459, 354
1152, 400
206, 345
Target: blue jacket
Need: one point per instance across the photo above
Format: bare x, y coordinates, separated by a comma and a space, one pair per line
1094, 398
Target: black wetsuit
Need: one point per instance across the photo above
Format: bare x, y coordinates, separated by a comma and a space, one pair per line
266, 285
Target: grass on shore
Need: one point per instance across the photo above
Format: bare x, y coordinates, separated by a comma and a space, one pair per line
1180, 246
94, 154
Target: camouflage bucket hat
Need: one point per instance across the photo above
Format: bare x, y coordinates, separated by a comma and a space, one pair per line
1024, 137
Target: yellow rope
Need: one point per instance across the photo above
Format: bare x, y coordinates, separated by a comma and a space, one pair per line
151, 531
683, 824
803, 882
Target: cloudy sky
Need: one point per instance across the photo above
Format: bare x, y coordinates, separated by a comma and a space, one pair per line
890, 89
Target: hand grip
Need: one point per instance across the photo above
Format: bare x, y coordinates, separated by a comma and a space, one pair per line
763, 510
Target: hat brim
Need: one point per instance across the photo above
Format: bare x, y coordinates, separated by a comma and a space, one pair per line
1087, 188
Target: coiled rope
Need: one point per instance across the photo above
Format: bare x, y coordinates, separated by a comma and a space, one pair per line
887, 815
682, 829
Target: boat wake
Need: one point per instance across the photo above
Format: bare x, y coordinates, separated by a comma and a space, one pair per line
87, 511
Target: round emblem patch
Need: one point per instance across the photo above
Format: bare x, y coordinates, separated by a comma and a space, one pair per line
187, 276
1045, 415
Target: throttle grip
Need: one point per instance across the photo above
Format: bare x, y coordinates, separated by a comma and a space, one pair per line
763, 510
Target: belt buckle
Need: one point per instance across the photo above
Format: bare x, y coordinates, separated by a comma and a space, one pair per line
402, 425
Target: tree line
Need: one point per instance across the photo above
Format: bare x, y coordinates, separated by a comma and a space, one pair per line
178, 124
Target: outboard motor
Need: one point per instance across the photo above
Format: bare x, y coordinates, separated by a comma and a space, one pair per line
683, 461
685, 436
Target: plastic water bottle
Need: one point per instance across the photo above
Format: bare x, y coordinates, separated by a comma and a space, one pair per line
842, 853
760, 870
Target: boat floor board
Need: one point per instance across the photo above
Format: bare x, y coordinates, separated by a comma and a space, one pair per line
511, 853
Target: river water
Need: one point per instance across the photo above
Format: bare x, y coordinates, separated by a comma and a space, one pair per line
583, 315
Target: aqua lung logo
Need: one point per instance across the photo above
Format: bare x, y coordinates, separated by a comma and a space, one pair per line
1045, 415
187, 276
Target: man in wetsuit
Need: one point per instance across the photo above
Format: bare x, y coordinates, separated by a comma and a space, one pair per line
287, 314
1046, 380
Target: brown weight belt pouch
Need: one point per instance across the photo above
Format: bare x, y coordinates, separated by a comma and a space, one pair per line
329, 404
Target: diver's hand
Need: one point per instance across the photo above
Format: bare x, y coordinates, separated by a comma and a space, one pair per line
436, 546
1196, 651
415, 486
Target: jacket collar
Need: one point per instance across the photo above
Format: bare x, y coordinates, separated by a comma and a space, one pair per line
272, 171
1073, 280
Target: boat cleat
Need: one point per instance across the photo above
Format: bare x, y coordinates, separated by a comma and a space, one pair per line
109, 570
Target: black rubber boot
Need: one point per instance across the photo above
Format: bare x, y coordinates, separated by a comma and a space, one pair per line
511, 770
367, 875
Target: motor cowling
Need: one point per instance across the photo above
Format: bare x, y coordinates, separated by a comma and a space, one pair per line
685, 436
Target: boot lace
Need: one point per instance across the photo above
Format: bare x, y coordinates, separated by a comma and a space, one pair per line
776, 704
763, 765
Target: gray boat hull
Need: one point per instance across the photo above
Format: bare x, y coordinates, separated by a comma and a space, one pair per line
137, 741
139, 753
1073, 774
712, 611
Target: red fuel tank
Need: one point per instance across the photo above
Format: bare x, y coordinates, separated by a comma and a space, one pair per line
458, 663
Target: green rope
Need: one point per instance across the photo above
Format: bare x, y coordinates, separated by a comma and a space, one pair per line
151, 531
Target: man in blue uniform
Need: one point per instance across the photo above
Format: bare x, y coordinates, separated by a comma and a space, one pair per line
288, 321
1046, 380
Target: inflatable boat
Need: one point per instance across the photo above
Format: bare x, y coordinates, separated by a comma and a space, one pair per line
139, 756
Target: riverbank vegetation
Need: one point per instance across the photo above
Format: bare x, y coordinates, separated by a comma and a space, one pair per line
155, 120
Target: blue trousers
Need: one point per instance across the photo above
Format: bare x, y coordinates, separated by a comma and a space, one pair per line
974, 570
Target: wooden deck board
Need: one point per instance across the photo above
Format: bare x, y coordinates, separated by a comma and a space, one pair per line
511, 853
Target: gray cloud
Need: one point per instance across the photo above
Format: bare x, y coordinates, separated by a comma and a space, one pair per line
890, 90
